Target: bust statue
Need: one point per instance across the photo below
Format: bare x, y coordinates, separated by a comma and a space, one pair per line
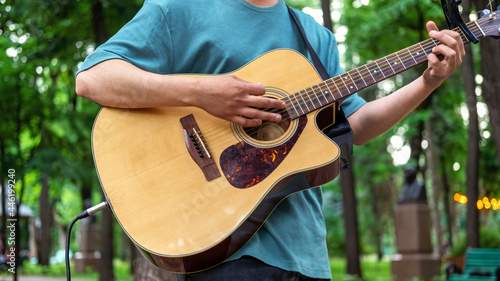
413, 190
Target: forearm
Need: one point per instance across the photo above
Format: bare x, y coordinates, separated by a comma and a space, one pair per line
378, 116
375, 118
117, 83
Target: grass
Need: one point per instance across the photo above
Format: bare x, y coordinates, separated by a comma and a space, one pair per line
121, 268
372, 270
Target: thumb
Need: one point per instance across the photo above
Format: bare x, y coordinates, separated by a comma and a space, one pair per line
431, 26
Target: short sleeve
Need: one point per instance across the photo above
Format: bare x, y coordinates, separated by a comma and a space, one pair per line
145, 42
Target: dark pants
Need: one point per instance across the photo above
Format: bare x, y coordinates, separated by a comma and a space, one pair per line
245, 269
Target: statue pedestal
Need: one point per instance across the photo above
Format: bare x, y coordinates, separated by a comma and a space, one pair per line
413, 241
87, 255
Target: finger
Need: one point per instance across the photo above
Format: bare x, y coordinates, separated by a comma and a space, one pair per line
255, 113
447, 52
265, 102
245, 122
450, 39
254, 89
438, 68
431, 26
434, 61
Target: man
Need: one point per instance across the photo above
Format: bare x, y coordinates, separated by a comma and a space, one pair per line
166, 37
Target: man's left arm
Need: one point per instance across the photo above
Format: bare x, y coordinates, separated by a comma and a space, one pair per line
378, 116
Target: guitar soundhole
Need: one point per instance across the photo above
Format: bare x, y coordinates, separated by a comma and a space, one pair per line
268, 131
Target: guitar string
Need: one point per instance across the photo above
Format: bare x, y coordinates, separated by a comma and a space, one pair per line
406, 58
354, 81
324, 87
253, 131
385, 66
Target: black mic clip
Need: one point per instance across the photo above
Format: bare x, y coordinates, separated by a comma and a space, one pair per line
453, 19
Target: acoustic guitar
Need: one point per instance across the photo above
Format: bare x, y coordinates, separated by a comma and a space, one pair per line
190, 189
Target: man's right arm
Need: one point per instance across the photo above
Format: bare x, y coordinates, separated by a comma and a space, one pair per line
117, 83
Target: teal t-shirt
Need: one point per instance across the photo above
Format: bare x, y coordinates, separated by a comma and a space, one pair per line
220, 36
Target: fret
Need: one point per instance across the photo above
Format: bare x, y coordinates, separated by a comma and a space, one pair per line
323, 93
340, 92
290, 105
375, 72
419, 56
463, 37
362, 77
353, 81
389, 63
298, 104
329, 90
396, 64
381, 71
302, 97
322, 96
425, 53
347, 88
316, 96
411, 56
480, 29
378, 70
369, 72
309, 96
401, 61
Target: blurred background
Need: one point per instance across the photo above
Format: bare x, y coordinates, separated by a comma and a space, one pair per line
452, 140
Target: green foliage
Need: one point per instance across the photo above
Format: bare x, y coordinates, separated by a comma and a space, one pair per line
47, 129
488, 239
121, 270
301, 4
385, 26
373, 270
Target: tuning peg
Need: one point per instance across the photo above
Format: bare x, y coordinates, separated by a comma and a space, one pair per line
484, 13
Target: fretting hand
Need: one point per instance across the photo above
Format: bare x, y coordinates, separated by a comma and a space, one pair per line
451, 52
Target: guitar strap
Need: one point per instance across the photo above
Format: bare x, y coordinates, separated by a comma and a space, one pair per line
340, 132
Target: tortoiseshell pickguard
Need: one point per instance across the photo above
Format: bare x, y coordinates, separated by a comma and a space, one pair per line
245, 165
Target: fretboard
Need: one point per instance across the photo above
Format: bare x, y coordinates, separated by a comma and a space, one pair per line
341, 86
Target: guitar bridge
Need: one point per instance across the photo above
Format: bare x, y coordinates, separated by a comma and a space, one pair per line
198, 149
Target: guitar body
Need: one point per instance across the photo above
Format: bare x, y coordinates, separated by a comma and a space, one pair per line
188, 213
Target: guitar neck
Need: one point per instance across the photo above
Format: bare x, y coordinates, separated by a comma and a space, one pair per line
340, 87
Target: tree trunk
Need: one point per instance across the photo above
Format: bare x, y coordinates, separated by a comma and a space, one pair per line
61, 231
446, 199
377, 227
106, 272
327, 18
490, 59
472, 168
44, 246
98, 22
145, 271
432, 166
350, 218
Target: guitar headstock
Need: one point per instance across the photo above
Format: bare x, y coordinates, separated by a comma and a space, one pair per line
490, 24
